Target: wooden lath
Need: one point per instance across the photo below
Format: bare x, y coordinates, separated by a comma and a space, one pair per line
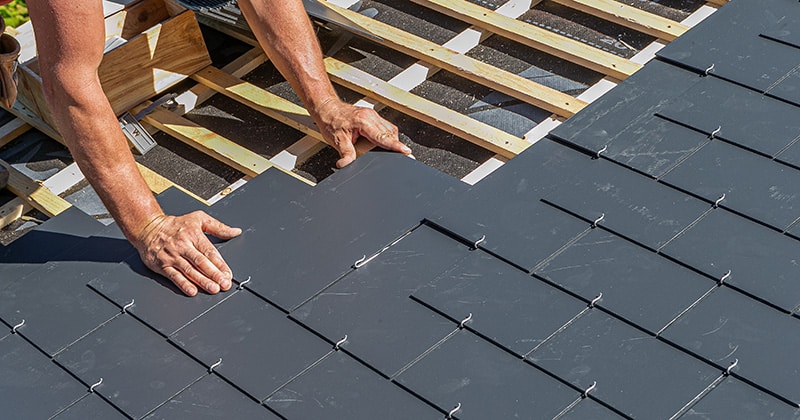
541, 39
630, 17
477, 71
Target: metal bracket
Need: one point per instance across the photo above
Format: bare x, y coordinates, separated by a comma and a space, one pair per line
141, 140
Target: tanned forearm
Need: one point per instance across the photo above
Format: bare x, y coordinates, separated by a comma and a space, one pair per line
285, 32
70, 38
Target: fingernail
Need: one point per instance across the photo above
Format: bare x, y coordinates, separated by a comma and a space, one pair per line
406, 150
213, 288
225, 284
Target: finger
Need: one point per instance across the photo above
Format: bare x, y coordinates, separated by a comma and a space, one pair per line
208, 269
384, 134
180, 281
187, 268
216, 228
347, 152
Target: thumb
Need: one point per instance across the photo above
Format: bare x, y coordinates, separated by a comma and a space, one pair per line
218, 229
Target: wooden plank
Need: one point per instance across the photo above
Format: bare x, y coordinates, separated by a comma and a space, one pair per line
11, 130
152, 62
717, 2
12, 211
34, 193
535, 37
422, 109
629, 16
490, 76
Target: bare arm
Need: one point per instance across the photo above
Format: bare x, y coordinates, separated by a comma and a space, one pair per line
285, 32
70, 38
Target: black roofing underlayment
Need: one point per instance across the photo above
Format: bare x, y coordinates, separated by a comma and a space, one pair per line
641, 262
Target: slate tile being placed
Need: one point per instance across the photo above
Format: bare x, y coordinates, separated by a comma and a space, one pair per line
743, 116
509, 307
733, 399
637, 284
372, 305
31, 385
631, 204
341, 388
635, 100
728, 325
91, 407
211, 398
355, 212
140, 369
261, 349
753, 185
469, 370
637, 374
273, 190
56, 305
157, 301
762, 262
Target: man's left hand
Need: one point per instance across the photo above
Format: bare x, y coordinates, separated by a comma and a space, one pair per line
342, 124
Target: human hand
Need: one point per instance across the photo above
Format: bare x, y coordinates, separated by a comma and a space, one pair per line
342, 124
177, 248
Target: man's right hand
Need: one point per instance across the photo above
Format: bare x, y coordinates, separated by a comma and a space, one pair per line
177, 248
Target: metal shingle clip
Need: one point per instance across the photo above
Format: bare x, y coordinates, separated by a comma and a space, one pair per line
708, 69
724, 277
590, 389
340, 342
478, 242
715, 132
719, 200
96, 384
128, 306
363, 261
595, 300
464, 321
453, 412
16, 327
241, 285
600, 152
730, 368
598, 220
215, 365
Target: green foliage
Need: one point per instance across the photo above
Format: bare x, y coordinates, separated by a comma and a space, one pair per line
15, 13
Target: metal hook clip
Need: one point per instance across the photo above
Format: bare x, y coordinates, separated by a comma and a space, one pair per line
363, 261
590, 389
241, 285
464, 321
452, 412
215, 365
128, 306
715, 132
730, 368
724, 277
340, 342
16, 327
598, 220
708, 69
600, 152
478, 242
91, 388
719, 200
595, 300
